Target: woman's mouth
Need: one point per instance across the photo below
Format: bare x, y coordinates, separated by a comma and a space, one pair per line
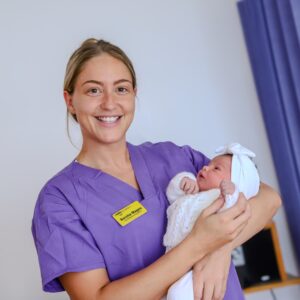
108, 120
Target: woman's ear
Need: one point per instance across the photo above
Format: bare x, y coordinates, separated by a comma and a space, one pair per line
69, 102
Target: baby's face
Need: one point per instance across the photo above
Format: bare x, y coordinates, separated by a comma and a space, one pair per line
210, 177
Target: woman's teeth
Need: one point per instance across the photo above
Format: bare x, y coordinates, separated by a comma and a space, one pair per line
108, 119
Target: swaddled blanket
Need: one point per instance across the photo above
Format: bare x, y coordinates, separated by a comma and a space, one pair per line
185, 209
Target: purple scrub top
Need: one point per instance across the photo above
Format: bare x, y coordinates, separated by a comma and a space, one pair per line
73, 227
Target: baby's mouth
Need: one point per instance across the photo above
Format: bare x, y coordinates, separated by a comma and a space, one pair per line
200, 176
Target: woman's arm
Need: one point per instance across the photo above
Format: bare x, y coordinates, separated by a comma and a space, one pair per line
263, 207
209, 233
149, 283
211, 272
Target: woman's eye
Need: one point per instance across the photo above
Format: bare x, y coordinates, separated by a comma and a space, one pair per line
122, 90
94, 91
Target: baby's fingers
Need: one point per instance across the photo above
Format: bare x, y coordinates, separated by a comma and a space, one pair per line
195, 189
190, 187
183, 184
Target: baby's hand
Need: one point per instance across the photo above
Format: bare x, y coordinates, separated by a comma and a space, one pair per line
227, 187
189, 186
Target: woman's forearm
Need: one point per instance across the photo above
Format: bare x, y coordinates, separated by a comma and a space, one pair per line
210, 268
150, 283
154, 281
210, 232
263, 208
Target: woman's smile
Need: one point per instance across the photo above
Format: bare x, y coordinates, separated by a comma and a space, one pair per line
109, 121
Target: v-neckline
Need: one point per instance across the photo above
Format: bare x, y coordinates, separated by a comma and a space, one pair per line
140, 169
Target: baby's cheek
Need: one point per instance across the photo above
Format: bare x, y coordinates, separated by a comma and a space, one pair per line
197, 180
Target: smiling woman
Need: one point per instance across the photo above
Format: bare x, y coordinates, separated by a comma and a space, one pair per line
100, 85
82, 246
103, 100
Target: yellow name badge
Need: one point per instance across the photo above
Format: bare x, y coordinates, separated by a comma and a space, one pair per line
129, 213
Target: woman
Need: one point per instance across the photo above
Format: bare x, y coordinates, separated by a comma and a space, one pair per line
98, 224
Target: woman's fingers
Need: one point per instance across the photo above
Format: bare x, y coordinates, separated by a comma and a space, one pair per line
236, 226
219, 290
219, 228
197, 285
214, 207
237, 209
208, 291
241, 221
198, 294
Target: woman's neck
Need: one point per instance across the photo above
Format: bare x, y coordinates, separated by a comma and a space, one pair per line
104, 156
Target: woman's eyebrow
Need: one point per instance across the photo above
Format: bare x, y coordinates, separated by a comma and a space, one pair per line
92, 81
122, 80
101, 83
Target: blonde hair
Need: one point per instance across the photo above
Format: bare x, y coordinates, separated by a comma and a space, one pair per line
89, 49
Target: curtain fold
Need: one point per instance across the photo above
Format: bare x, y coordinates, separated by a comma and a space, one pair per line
272, 33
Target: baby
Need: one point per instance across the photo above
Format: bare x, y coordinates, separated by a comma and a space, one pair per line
229, 173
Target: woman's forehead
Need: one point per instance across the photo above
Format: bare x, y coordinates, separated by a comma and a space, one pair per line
102, 67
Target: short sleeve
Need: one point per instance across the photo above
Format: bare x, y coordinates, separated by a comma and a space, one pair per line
62, 241
197, 158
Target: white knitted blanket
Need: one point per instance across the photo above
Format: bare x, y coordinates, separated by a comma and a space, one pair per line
184, 209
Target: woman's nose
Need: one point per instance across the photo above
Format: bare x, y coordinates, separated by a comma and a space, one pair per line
107, 101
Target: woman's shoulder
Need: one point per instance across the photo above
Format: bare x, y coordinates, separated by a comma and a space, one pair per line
58, 189
60, 179
165, 147
171, 151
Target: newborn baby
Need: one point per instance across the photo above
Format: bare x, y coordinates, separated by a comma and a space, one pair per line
229, 173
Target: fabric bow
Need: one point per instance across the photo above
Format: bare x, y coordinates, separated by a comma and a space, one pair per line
234, 148
243, 171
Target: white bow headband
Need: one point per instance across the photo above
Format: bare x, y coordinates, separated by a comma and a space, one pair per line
243, 171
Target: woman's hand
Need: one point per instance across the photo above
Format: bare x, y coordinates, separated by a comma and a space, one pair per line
214, 230
210, 275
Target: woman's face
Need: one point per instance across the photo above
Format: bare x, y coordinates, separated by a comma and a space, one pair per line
103, 100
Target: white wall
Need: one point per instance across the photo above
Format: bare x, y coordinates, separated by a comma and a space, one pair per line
195, 87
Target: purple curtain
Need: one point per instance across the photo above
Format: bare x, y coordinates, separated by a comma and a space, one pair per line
272, 34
